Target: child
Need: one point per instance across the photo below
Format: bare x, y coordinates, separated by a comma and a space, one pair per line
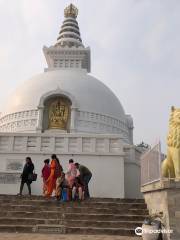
62, 188
45, 174
78, 189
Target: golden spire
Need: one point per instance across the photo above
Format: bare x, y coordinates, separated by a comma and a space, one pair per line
71, 11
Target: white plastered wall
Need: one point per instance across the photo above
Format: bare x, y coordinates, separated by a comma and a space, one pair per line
132, 173
102, 154
107, 179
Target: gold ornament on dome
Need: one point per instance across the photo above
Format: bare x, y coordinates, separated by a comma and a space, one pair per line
71, 11
58, 114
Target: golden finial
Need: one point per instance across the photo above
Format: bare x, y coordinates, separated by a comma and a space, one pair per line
71, 11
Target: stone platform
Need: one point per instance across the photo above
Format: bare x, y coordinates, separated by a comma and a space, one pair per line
164, 197
97, 216
17, 236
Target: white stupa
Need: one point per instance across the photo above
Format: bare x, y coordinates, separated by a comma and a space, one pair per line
67, 107
94, 107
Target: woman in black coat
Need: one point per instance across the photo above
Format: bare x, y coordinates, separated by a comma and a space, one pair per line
26, 175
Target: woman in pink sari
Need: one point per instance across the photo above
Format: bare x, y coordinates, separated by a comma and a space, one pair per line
71, 173
45, 174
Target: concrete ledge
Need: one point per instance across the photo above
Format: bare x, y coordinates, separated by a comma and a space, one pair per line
161, 185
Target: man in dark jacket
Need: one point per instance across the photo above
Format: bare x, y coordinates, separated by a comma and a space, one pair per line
26, 175
85, 176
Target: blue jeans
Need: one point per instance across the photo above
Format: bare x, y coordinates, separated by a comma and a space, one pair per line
86, 180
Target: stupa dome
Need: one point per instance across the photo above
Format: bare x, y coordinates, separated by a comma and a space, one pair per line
90, 94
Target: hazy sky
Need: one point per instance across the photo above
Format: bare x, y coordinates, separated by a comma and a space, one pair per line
135, 47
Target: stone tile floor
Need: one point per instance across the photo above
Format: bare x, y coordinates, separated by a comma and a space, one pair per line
17, 236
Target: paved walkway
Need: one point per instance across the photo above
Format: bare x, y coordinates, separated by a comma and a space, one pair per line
17, 236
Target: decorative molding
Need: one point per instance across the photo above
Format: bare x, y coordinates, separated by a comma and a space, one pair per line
60, 144
21, 125
100, 123
19, 115
57, 92
81, 121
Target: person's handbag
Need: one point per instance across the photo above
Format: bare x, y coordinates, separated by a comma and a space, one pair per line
32, 177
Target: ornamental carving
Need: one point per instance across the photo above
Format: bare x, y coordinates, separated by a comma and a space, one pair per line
14, 166
9, 178
71, 11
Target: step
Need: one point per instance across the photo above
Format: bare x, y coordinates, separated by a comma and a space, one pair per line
35, 197
60, 229
16, 228
45, 203
101, 231
72, 223
122, 200
102, 224
117, 217
61, 209
84, 230
72, 216
28, 221
94, 216
31, 214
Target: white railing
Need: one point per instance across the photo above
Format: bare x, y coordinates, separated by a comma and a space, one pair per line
151, 165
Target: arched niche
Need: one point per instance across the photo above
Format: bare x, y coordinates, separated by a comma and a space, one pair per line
57, 111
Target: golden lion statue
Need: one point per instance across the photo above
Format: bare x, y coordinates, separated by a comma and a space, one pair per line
171, 165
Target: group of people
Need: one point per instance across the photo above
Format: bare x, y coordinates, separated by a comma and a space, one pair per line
72, 185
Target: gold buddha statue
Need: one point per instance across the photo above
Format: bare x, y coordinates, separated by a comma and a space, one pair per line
58, 114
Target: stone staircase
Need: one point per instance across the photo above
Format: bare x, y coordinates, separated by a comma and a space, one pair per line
94, 216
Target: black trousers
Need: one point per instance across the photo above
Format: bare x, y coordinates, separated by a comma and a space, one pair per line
86, 180
22, 186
